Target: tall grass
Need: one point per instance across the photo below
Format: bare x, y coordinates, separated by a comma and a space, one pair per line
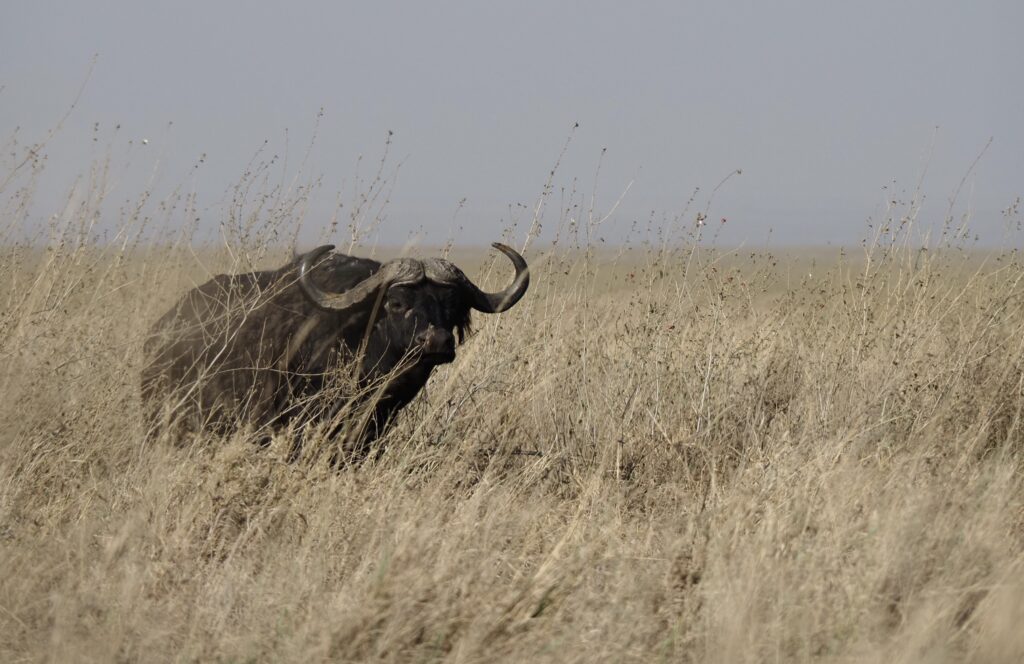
663, 453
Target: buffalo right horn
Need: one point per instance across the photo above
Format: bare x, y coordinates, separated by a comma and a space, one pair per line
337, 301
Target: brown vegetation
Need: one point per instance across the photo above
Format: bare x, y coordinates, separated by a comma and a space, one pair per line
668, 455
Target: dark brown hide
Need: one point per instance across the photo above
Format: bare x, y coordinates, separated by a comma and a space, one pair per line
305, 344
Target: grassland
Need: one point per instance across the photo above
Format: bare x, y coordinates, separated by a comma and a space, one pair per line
671, 453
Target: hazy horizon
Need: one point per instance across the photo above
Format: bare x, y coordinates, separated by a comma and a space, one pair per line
829, 113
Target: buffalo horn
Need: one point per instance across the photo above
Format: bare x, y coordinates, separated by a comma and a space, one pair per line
336, 301
407, 270
495, 303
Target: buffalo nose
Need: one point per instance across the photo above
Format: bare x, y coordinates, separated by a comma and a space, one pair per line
436, 341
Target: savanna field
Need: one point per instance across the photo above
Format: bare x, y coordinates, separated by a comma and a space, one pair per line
666, 452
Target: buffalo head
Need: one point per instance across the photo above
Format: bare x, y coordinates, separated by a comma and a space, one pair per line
416, 309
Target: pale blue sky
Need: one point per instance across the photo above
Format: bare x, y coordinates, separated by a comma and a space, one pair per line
821, 104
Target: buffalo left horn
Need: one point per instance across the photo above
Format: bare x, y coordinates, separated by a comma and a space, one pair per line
495, 303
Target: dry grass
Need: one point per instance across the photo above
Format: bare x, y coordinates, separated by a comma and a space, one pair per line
660, 456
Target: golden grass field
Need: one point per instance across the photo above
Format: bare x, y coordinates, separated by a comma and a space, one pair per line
670, 453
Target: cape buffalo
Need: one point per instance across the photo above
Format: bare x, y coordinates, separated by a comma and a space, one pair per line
267, 348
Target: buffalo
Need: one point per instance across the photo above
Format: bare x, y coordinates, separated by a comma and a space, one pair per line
327, 339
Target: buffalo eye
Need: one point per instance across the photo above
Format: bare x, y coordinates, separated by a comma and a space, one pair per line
396, 303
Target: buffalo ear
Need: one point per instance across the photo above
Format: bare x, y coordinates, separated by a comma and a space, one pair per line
463, 328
